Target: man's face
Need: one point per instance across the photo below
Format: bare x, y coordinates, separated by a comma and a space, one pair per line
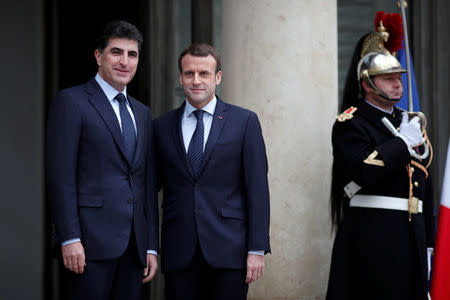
199, 79
118, 62
390, 84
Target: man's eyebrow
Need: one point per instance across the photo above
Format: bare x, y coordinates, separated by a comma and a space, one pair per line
116, 49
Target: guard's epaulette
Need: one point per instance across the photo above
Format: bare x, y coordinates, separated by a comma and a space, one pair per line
347, 114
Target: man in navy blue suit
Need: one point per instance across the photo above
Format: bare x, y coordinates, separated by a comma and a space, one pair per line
212, 167
100, 177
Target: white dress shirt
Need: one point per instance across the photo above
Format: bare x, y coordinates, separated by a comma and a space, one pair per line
110, 93
189, 122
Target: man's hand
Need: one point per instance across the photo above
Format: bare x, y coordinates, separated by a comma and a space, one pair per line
411, 130
73, 257
255, 267
152, 267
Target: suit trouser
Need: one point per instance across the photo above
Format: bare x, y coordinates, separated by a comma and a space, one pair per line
203, 282
113, 279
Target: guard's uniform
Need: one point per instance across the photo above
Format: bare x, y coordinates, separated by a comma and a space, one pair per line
378, 253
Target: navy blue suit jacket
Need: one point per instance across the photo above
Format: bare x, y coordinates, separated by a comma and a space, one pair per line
95, 193
226, 208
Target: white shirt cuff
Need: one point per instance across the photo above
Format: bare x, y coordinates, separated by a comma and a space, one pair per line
70, 242
257, 252
152, 252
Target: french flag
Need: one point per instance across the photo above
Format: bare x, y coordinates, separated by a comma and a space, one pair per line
401, 55
440, 283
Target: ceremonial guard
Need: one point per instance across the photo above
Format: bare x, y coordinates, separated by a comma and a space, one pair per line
381, 202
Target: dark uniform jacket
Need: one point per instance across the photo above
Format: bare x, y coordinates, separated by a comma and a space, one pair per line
378, 253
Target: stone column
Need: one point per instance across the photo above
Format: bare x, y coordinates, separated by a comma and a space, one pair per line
280, 60
22, 127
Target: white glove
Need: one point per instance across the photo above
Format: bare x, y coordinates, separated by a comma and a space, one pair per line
410, 131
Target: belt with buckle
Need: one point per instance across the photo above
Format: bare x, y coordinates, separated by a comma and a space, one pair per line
373, 201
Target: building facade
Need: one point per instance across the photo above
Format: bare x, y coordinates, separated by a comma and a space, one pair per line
284, 59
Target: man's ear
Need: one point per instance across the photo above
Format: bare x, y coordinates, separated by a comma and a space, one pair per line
218, 77
98, 55
365, 85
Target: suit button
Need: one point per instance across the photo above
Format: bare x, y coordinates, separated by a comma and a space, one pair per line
130, 200
130, 177
416, 184
196, 186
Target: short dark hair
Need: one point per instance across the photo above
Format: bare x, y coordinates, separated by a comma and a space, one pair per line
118, 29
201, 49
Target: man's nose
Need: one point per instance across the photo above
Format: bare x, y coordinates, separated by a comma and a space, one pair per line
196, 79
124, 59
398, 83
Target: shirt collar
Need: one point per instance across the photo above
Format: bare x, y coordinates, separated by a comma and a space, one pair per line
108, 89
209, 108
379, 108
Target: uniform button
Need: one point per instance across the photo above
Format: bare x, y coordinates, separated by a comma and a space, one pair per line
130, 200
416, 184
412, 169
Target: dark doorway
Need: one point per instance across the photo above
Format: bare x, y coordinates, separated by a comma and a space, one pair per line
72, 30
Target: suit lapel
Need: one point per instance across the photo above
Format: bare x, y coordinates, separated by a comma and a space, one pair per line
100, 102
139, 117
177, 134
218, 121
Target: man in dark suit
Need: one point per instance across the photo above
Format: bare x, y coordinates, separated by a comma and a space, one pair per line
100, 177
212, 167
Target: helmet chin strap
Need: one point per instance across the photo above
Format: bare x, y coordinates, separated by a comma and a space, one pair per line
387, 98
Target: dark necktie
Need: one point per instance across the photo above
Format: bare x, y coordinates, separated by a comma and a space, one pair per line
128, 131
195, 150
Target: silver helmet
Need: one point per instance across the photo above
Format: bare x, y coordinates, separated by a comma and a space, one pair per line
376, 60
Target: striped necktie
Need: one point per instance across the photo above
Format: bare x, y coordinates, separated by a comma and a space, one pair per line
128, 131
195, 150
